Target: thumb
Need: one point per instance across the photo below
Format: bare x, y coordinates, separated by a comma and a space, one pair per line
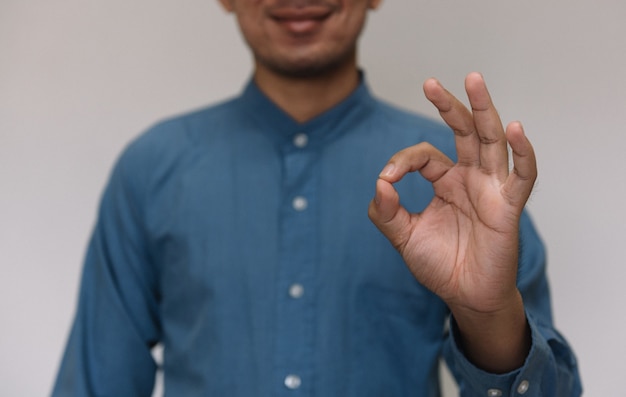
391, 218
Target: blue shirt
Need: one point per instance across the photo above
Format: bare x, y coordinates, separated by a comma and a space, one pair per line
239, 240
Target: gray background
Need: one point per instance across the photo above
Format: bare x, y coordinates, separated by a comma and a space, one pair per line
79, 79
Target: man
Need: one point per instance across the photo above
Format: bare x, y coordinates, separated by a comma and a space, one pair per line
236, 236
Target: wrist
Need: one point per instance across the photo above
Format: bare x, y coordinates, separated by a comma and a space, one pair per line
496, 341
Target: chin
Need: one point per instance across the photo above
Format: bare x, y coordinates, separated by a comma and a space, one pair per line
310, 67
302, 71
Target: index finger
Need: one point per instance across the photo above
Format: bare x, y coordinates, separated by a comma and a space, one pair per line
458, 118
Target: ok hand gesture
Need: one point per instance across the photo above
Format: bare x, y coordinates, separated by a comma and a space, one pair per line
464, 245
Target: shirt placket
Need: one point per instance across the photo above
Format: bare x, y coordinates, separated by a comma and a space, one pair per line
294, 350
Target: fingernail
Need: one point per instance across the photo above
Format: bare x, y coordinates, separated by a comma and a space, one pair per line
388, 170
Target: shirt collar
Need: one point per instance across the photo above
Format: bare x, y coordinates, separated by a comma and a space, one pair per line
321, 128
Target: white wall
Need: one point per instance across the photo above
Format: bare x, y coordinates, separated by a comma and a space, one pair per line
78, 79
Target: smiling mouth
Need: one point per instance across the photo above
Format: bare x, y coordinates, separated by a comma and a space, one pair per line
301, 20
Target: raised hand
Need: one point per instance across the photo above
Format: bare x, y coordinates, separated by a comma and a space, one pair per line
464, 245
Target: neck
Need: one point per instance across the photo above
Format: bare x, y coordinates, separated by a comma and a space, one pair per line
304, 98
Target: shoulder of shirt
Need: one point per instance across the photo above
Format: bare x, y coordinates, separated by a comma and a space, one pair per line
173, 136
182, 130
167, 146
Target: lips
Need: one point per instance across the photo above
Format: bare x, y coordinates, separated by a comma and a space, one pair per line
301, 20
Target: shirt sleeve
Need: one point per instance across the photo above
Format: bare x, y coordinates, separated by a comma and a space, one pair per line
550, 370
116, 321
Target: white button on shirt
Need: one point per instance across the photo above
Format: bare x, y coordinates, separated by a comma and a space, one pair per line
494, 393
293, 381
300, 203
300, 140
296, 291
523, 387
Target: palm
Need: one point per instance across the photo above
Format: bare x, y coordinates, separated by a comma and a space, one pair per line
450, 240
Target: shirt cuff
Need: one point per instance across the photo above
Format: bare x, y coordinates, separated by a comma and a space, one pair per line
473, 381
